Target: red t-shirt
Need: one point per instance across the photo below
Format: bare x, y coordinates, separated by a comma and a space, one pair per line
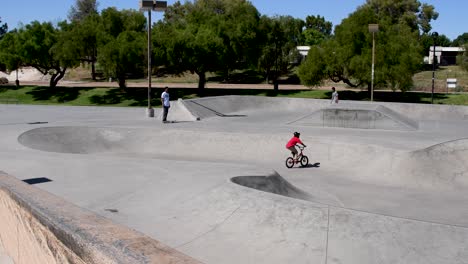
293, 141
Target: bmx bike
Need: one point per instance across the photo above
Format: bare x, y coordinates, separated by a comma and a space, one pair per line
301, 158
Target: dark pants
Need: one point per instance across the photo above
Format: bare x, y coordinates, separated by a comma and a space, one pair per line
165, 111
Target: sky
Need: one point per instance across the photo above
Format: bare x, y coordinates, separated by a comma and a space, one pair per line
452, 20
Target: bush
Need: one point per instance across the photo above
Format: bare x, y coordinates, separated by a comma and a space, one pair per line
459, 89
3, 80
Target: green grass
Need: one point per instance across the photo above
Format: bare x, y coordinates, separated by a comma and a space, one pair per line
66, 96
138, 96
423, 80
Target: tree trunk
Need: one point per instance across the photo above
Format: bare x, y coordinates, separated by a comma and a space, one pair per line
56, 77
122, 80
93, 63
93, 71
201, 83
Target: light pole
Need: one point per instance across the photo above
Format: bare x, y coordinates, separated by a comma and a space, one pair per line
373, 28
434, 61
151, 5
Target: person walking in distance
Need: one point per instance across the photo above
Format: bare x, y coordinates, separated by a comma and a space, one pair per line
166, 104
334, 99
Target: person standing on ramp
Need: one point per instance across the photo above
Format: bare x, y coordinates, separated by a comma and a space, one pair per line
166, 104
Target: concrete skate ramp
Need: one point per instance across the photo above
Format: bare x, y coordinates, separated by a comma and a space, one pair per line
443, 166
273, 183
38, 227
179, 112
408, 115
77, 140
231, 105
358, 116
223, 146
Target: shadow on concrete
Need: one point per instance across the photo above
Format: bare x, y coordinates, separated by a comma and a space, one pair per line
37, 180
273, 183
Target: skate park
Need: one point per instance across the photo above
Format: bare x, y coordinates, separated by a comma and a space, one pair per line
386, 182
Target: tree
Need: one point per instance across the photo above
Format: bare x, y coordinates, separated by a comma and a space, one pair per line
85, 18
38, 45
282, 36
9, 54
427, 41
425, 16
462, 60
3, 28
460, 40
121, 44
347, 56
82, 9
317, 29
84, 35
207, 36
240, 36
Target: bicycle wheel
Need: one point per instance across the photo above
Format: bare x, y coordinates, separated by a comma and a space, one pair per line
289, 162
304, 161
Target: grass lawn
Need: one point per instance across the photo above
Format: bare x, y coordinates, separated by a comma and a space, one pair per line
85, 96
423, 80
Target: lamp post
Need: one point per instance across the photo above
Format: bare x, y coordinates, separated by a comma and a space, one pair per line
373, 28
434, 58
151, 5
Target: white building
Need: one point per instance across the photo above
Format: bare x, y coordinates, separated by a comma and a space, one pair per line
445, 55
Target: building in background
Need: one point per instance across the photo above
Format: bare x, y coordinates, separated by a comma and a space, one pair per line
445, 55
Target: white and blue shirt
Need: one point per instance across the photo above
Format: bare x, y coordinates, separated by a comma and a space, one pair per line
165, 97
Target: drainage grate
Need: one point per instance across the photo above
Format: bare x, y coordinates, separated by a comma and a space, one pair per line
37, 180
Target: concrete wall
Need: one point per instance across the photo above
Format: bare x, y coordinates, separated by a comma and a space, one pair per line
38, 227
224, 105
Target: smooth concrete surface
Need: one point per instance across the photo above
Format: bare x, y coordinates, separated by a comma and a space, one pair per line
218, 189
359, 116
38, 227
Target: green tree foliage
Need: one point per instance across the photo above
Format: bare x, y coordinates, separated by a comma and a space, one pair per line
3, 28
425, 16
38, 45
121, 44
427, 41
462, 60
282, 36
9, 54
347, 56
460, 40
314, 70
83, 37
317, 29
83, 9
207, 36
3, 31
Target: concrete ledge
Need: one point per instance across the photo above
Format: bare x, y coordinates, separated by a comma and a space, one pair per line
61, 232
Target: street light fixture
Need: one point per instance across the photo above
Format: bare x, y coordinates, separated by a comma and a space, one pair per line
373, 28
151, 5
434, 61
